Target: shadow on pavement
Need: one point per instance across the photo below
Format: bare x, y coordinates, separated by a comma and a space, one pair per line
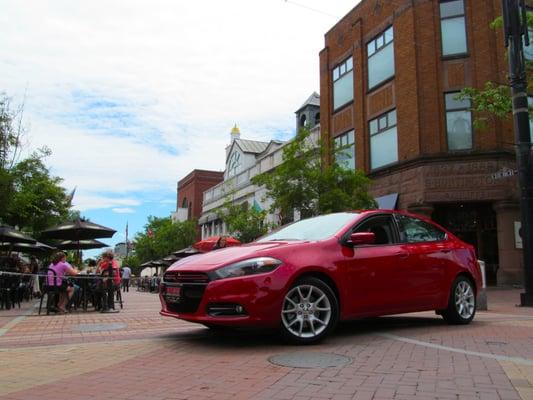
227, 338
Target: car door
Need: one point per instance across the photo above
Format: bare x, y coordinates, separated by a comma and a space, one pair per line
375, 273
429, 251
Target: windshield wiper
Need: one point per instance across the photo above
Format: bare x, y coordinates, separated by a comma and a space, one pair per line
281, 240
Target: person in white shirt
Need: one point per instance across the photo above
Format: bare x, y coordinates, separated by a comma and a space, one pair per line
126, 275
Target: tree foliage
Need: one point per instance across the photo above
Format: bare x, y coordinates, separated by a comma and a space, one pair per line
244, 223
134, 263
36, 199
30, 197
162, 237
493, 101
11, 131
303, 183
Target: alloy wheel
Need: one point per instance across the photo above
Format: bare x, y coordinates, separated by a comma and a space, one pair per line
306, 311
464, 299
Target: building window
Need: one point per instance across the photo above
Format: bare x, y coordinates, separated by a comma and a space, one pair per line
345, 150
234, 164
458, 122
380, 53
343, 83
303, 119
453, 27
383, 140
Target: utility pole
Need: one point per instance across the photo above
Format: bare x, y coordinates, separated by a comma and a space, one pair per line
515, 36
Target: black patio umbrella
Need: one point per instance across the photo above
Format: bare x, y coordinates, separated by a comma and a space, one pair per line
78, 230
81, 244
28, 248
159, 264
186, 252
170, 259
11, 235
150, 264
147, 264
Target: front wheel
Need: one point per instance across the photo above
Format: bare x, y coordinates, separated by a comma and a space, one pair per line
462, 302
310, 311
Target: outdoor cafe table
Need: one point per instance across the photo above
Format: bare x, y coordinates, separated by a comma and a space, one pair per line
87, 284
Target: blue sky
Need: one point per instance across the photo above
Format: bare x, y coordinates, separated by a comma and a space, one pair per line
130, 100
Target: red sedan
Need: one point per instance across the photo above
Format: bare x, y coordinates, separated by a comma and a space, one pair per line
305, 277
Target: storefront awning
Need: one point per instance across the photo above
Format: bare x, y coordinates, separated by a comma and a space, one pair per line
387, 202
204, 219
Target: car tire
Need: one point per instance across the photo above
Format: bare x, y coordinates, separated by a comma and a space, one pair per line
309, 312
462, 302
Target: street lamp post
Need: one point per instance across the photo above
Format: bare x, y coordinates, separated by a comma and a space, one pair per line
516, 34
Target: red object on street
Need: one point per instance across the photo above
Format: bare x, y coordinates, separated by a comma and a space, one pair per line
210, 243
305, 277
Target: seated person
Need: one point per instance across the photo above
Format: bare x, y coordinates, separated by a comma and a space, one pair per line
61, 268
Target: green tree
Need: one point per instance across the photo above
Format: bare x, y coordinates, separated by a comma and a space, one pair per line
35, 199
11, 131
30, 197
162, 237
134, 263
493, 101
302, 182
243, 222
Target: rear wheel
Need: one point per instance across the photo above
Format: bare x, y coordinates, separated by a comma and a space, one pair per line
462, 302
310, 311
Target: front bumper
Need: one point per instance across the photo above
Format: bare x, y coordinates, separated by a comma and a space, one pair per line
260, 297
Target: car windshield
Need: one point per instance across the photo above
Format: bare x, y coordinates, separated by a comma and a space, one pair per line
317, 228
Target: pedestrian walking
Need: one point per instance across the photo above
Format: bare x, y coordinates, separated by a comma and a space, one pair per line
126, 275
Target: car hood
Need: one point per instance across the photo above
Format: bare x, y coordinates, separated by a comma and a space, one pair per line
214, 259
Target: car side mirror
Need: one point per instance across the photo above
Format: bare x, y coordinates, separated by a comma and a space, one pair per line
362, 238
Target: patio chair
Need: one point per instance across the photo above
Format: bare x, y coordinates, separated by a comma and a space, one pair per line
52, 292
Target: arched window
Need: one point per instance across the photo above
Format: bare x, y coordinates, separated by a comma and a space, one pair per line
303, 120
317, 118
184, 203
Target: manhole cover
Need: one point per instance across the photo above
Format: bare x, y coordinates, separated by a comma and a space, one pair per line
99, 327
310, 360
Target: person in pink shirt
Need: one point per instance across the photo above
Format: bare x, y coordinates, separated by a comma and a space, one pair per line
61, 268
105, 264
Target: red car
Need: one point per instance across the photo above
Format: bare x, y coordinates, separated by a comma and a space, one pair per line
305, 277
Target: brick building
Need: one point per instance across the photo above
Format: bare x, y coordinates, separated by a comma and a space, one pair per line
190, 193
389, 74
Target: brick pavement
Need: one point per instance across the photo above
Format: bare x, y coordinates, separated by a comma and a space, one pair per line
413, 356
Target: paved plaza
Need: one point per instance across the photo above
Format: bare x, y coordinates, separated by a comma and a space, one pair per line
136, 354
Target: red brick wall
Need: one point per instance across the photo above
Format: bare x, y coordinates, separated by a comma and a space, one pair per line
192, 187
422, 76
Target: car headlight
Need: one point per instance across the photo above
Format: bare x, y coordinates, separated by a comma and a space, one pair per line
252, 266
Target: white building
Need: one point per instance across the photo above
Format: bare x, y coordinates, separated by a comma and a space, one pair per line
246, 159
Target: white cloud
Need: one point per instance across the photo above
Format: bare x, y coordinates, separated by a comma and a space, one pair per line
123, 210
85, 202
131, 96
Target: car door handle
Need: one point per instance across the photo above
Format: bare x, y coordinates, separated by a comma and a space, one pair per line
403, 254
445, 251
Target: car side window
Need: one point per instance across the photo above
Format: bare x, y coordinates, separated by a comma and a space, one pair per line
414, 230
381, 226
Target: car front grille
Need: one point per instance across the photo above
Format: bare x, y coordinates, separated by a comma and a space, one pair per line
186, 277
190, 298
192, 286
